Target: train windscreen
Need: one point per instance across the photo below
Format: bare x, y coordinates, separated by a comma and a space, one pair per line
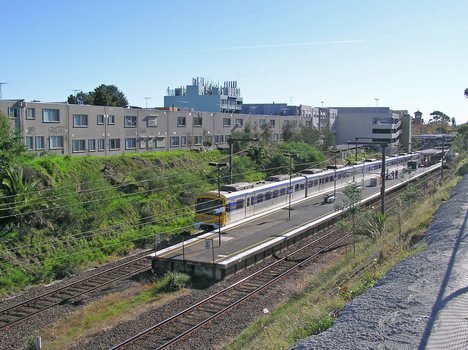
207, 205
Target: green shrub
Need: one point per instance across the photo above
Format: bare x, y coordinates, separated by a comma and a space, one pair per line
171, 282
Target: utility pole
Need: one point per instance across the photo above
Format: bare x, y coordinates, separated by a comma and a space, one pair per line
4, 83
220, 209
231, 146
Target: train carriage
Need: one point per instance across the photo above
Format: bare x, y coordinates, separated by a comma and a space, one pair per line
242, 200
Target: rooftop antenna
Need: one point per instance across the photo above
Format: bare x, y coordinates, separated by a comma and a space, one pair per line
376, 102
290, 99
321, 103
1, 97
146, 101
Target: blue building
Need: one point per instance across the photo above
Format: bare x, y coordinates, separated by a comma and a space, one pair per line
205, 97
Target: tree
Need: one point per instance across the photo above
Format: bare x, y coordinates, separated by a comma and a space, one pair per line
259, 155
454, 122
288, 132
103, 95
11, 143
328, 139
466, 93
309, 135
439, 117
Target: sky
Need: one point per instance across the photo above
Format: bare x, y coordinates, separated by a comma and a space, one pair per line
409, 55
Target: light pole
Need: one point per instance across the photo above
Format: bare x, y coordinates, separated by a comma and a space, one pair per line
334, 177
290, 155
220, 209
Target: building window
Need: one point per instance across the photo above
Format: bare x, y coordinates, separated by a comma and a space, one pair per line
130, 121
183, 141
92, 145
130, 143
198, 140
221, 138
226, 121
29, 142
31, 113
239, 122
275, 137
160, 142
101, 144
181, 121
197, 121
152, 121
110, 119
272, 123
50, 115
78, 146
55, 142
175, 141
80, 120
262, 122
114, 144
40, 143
100, 119
13, 112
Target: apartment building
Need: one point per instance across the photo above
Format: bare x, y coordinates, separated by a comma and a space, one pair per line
61, 128
376, 124
205, 96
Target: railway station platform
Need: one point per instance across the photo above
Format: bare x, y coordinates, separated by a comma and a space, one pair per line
217, 254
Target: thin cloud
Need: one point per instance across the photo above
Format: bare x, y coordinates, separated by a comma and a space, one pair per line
268, 46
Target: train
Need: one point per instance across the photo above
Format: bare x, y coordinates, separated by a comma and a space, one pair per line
239, 201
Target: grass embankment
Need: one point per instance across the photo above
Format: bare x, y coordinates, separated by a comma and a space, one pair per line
77, 211
114, 309
60, 213
313, 310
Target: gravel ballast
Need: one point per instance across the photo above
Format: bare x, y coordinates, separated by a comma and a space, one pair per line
421, 303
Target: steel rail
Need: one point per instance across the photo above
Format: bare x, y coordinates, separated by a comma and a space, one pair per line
247, 278
36, 300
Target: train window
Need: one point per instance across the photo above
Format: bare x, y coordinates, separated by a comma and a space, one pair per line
311, 183
239, 203
282, 192
267, 196
248, 201
260, 198
207, 205
296, 187
302, 186
275, 193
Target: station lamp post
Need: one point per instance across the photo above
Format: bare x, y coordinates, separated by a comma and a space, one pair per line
219, 210
335, 152
290, 190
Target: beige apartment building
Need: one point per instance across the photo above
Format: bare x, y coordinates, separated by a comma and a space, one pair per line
61, 128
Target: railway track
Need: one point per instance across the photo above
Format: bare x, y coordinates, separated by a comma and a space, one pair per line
22, 311
173, 329
176, 327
